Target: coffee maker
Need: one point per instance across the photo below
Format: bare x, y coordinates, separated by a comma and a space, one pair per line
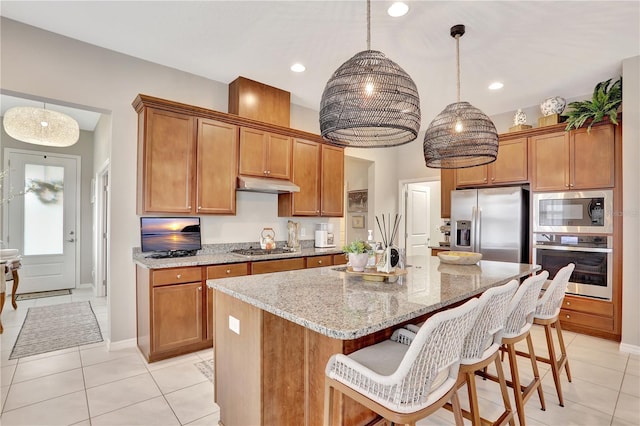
324, 235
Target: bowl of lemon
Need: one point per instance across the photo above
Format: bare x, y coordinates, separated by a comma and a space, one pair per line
460, 257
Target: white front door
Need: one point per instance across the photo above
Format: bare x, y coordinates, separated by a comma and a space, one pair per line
42, 222
418, 234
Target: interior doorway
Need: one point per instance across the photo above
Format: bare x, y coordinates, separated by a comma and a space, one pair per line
420, 209
101, 237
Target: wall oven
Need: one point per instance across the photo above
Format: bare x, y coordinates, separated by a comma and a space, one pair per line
592, 255
573, 212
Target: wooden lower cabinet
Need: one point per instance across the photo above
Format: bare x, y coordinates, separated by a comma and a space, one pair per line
274, 370
172, 312
435, 251
589, 316
319, 261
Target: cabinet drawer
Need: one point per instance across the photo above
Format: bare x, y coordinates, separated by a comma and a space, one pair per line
228, 270
318, 261
279, 265
587, 320
595, 307
339, 259
176, 275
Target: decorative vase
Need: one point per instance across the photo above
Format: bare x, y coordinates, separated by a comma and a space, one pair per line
358, 261
554, 105
519, 118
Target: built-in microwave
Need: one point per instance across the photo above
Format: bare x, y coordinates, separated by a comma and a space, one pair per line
573, 212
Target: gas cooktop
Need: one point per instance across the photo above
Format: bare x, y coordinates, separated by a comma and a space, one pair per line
261, 252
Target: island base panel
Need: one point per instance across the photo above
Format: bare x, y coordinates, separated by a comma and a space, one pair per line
273, 371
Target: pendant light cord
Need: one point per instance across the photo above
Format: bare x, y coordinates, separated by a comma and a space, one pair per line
368, 24
458, 62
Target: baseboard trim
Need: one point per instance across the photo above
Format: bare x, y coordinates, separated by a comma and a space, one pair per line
121, 344
632, 349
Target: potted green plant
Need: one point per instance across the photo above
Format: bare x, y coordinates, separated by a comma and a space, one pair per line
605, 101
358, 254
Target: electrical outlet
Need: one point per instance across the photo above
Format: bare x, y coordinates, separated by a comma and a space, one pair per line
234, 324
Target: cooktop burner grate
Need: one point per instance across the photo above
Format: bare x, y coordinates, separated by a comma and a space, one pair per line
260, 252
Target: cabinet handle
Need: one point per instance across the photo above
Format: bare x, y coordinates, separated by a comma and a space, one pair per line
568, 303
199, 288
228, 271
178, 275
493, 179
571, 185
568, 316
319, 262
199, 207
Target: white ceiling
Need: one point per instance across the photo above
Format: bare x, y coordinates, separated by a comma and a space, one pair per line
537, 49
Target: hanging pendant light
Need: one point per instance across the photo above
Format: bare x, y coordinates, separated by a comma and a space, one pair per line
461, 135
41, 126
370, 102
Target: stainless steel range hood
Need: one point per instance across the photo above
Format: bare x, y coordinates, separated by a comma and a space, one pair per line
271, 186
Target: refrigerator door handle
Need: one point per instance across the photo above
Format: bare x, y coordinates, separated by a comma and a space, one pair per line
474, 223
478, 231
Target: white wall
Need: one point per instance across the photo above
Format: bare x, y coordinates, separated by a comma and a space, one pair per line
631, 207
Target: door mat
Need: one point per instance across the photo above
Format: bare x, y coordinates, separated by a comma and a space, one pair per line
206, 368
55, 327
41, 294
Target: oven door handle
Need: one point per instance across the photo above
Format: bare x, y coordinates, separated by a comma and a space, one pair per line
568, 248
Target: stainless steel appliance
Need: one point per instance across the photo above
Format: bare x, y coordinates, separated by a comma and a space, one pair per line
492, 221
592, 255
324, 235
573, 212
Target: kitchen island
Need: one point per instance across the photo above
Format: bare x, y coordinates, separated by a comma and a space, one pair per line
275, 332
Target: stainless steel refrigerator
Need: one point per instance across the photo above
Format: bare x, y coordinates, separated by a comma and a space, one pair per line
491, 221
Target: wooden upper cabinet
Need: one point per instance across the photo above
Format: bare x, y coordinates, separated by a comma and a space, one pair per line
217, 158
166, 158
264, 154
447, 184
550, 158
574, 160
332, 181
305, 169
592, 158
510, 167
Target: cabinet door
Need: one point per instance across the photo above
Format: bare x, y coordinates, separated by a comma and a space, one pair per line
332, 181
550, 159
447, 184
511, 164
592, 157
306, 174
471, 176
176, 316
217, 167
253, 152
168, 156
278, 156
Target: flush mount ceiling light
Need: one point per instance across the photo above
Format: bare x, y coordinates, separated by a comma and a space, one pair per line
496, 85
369, 102
298, 67
41, 126
461, 135
398, 9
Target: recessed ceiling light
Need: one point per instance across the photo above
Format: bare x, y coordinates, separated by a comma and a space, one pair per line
496, 85
297, 67
397, 9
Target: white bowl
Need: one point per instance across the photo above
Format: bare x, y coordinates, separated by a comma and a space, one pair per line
459, 257
8, 253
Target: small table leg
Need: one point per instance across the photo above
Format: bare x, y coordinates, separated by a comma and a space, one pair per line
16, 281
2, 296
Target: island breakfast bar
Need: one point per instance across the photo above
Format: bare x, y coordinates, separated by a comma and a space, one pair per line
274, 333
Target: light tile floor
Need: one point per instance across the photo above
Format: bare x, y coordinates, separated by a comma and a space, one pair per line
92, 386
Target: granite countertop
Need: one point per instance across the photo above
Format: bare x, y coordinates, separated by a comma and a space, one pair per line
342, 305
224, 257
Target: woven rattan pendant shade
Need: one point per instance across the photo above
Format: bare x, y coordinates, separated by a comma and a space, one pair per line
461, 135
370, 102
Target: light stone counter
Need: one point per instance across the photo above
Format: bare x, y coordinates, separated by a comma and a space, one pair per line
343, 306
223, 257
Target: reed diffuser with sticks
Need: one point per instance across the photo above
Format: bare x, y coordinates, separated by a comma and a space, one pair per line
388, 231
